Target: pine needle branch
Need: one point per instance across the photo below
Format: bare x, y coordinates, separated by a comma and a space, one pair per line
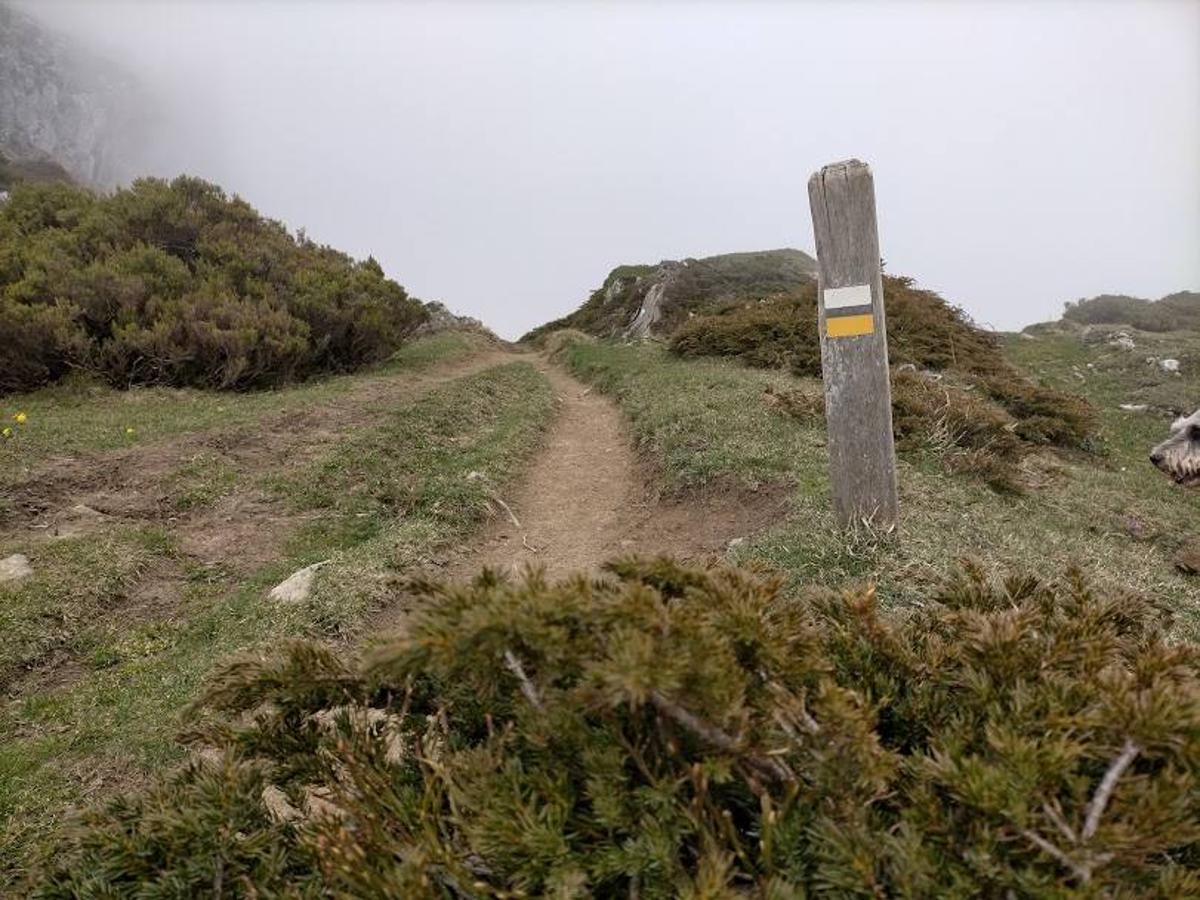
769, 768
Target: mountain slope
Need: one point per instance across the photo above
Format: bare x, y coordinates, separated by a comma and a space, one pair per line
653, 300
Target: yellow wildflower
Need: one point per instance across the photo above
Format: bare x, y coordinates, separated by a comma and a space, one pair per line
7, 432
20, 418
129, 430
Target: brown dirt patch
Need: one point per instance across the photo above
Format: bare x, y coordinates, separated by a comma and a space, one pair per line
129, 484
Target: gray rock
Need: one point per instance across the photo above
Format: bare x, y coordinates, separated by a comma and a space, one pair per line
14, 568
297, 587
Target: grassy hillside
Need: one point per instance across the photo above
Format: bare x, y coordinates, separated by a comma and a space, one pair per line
761, 309
690, 287
705, 421
153, 549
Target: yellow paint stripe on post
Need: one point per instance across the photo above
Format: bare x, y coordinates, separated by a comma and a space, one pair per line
850, 326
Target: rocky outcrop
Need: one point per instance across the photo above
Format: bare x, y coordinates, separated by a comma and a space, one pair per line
442, 319
57, 103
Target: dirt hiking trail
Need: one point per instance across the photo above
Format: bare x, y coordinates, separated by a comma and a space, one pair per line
587, 498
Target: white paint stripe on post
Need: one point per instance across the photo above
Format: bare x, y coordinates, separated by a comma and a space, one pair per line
840, 298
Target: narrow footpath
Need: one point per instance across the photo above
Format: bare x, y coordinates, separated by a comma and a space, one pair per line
587, 499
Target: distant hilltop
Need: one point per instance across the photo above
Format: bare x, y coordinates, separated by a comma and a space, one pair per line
1175, 312
640, 301
58, 104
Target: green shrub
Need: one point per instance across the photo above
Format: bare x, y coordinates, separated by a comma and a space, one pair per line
947, 418
175, 283
781, 331
774, 332
924, 332
970, 434
671, 731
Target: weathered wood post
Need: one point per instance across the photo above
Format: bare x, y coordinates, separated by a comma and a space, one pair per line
854, 356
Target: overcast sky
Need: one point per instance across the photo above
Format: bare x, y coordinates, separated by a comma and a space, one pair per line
502, 157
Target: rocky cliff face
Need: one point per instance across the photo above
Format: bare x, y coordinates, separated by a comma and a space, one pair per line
59, 104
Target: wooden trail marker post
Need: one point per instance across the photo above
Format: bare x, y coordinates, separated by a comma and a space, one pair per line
854, 356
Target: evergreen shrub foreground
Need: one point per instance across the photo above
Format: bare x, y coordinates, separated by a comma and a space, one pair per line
175, 283
672, 731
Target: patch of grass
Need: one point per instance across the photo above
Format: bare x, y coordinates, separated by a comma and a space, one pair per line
75, 594
109, 728
82, 416
703, 420
443, 347
424, 476
201, 481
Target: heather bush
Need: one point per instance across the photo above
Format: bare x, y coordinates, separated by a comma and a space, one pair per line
667, 731
1174, 312
967, 432
176, 283
924, 333
768, 333
946, 418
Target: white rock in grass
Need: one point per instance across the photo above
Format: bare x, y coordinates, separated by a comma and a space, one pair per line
1169, 365
297, 587
14, 568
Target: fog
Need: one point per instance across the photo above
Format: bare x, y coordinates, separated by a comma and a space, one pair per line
503, 157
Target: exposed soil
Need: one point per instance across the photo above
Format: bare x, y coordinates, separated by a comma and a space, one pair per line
133, 485
588, 499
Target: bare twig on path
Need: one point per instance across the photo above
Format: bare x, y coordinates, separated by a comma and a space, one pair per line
504, 506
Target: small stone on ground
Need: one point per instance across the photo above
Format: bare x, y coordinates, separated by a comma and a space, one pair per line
297, 587
14, 568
